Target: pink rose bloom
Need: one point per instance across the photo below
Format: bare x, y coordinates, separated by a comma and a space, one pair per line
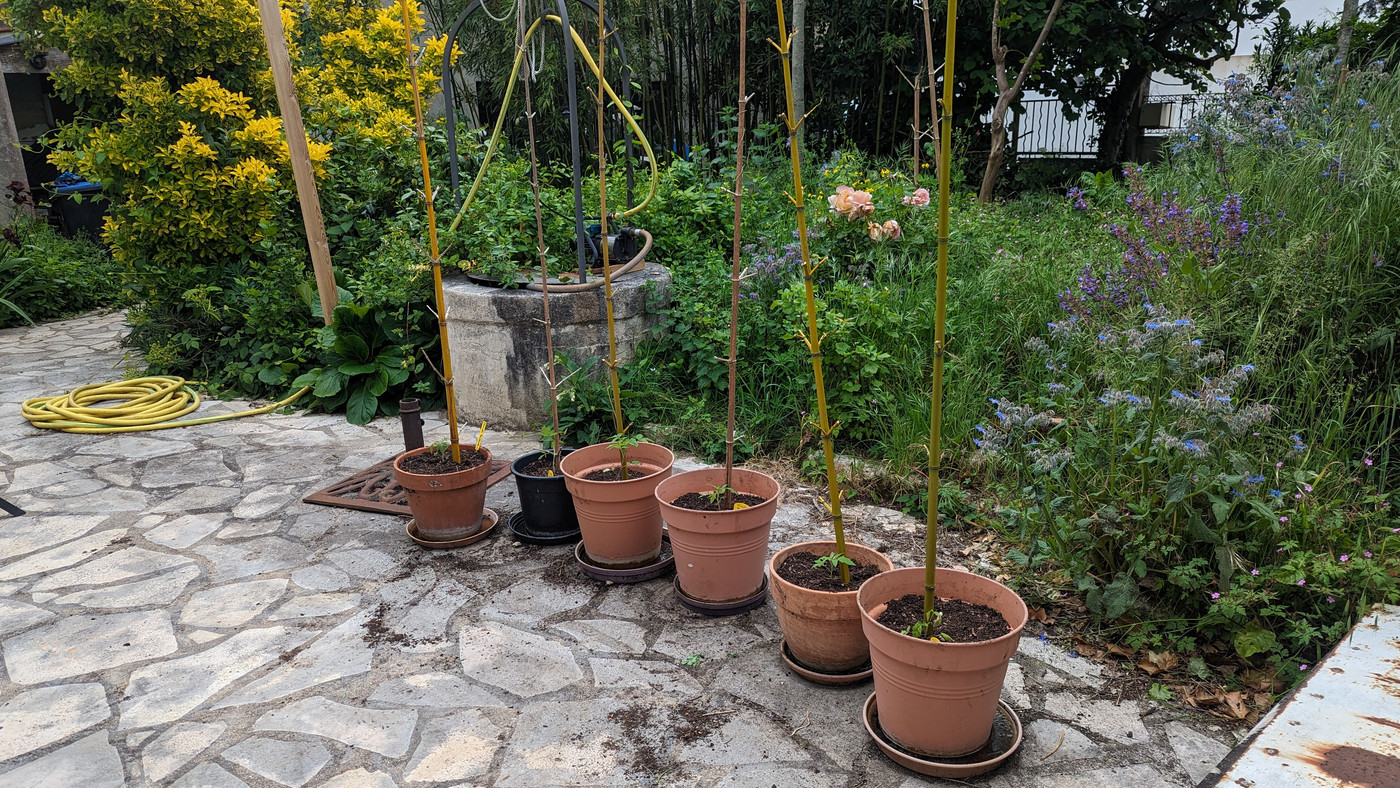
891, 229
918, 199
875, 231
851, 203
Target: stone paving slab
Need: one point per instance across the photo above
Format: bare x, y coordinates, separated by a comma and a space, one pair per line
172, 614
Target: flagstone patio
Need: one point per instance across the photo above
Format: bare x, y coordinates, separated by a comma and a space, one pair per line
172, 614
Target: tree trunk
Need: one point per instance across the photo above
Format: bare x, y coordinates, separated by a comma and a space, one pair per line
1007, 92
1344, 36
1117, 112
998, 154
799, 62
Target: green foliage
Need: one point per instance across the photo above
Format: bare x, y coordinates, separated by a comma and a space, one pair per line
623, 444
368, 363
44, 276
190, 152
833, 562
928, 628
693, 660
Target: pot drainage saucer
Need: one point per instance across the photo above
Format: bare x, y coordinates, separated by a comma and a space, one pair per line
663, 564
1005, 740
489, 519
819, 677
522, 533
722, 608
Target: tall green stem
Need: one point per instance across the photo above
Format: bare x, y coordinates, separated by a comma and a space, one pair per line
813, 339
618, 423
935, 441
734, 272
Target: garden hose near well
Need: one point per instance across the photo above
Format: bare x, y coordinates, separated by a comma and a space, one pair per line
136, 405
494, 144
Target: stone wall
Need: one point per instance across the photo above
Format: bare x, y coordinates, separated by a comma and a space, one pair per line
498, 340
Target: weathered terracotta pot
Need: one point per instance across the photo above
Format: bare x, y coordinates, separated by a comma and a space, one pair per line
938, 699
620, 521
445, 506
719, 555
822, 628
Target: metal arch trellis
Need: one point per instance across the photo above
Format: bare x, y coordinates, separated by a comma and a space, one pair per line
449, 97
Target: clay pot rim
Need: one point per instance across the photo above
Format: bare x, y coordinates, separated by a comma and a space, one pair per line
1014, 633
424, 450
661, 467
529, 457
772, 500
781, 581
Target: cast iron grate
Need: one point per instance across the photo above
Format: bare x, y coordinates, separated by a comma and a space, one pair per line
374, 489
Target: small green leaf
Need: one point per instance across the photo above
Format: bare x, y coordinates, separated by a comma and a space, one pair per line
1178, 487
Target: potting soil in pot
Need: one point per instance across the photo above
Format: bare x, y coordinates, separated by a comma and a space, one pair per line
963, 622
799, 570
544, 466
700, 502
614, 474
432, 463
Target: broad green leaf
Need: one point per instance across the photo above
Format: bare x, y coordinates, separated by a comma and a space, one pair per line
1254, 639
352, 347
361, 406
329, 383
1178, 487
357, 367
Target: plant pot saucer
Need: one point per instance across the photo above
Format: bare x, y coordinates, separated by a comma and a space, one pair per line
521, 531
489, 519
663, 564
734, 608
1005, 740
815, 676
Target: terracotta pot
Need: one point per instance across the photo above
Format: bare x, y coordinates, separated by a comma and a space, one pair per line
719, 555
445, 506
934, 698
822, 628
620, 521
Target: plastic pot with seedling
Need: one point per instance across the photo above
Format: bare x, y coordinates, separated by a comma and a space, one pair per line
445, 482
822, 637
940, 639
719, 518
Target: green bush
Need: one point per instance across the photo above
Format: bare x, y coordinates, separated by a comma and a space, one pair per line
45, 276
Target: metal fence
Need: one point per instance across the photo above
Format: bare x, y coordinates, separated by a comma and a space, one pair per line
1041, 130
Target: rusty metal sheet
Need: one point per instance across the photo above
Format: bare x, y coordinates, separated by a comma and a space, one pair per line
1339, 728
374, 489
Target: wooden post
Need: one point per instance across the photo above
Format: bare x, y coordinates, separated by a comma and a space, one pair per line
290, 110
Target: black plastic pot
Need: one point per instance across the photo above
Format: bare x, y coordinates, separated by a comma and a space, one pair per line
545, 500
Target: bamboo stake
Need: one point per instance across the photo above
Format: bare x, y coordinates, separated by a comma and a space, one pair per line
544, 275
813, 338
618, 422
935, 442
290, 110
434, 255
734, 272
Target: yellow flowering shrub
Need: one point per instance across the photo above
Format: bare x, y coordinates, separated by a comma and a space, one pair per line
181, 128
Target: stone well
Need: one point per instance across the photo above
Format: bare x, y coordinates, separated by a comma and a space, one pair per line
498, 340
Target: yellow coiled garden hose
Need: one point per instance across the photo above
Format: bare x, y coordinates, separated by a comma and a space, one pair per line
134, 405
